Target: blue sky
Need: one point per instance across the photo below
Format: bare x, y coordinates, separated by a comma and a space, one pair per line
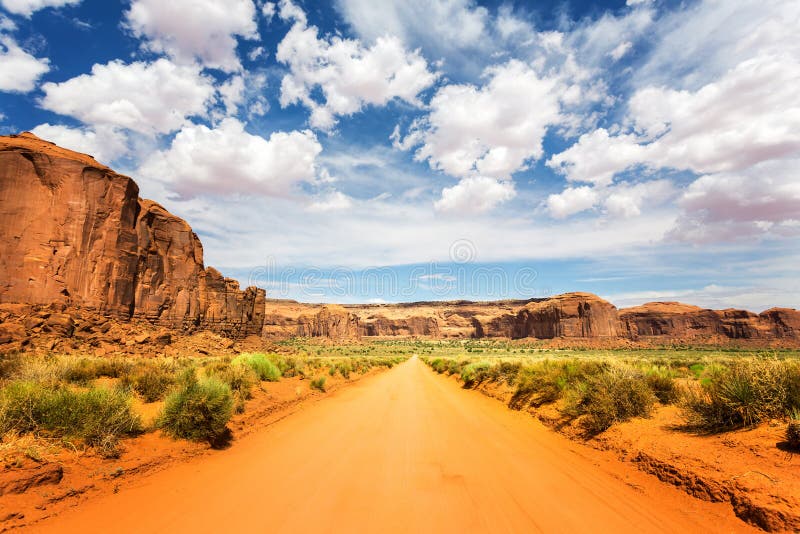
355, 151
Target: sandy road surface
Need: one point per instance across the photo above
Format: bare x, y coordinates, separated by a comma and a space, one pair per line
404, 451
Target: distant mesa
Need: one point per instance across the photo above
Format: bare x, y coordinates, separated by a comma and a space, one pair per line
74, 233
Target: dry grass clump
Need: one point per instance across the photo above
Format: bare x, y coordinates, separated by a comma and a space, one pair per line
198, 410
612, 396
744, 393
264, 368
99, 416
319, 383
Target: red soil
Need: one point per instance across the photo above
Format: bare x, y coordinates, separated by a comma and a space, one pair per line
403, 451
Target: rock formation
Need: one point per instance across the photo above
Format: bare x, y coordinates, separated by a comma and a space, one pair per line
73, 231
573, 315
691, 323
580, 317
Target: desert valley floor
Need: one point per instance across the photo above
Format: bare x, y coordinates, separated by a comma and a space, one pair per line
403, 451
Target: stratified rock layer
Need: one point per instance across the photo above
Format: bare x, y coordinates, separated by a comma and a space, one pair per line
73, 231
572, 316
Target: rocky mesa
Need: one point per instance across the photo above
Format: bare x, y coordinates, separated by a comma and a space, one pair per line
571, 316
73, 231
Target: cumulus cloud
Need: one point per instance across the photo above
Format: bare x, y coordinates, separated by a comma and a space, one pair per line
750, 115
228, 160
104, 143
150, 98
570, 201
597, 157
493, 130
189, 30
347, 74
19, 70
476, 194
623, 200
27, 7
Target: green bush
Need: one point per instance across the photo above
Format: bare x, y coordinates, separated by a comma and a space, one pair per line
198, 410
319, 383
610, 397
99, 416
662, 383
474, 373
261, 364
743, 394
151, 382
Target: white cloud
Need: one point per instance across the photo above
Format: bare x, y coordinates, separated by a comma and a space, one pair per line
19, 70
493, 130
189, 30
623, 200
571, 201
595, 41
443, 24
764, 199
335, 201
597, 157
621, 50
150, 98
477, 194
228, 160
750, 115
268, 10
28, 7
695, 45
257, 53
348, 75
626, 200
105, 144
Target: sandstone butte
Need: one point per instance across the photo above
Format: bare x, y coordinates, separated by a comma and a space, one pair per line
76, 235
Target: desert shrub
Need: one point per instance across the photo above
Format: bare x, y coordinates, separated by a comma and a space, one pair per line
240, 378
743, 394
198, 410
612, 396
547, 381
506, 372
319, 383
151, 382
344, 369
439, 365
264, 368
662, 383
474, 373
99, 416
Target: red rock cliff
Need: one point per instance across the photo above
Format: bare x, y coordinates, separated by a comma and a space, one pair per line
76, 232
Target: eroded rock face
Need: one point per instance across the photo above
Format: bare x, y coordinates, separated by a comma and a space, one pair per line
332, 322
691, 323
73, 231
572, 315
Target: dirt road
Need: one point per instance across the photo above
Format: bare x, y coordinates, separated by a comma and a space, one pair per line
404, 451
